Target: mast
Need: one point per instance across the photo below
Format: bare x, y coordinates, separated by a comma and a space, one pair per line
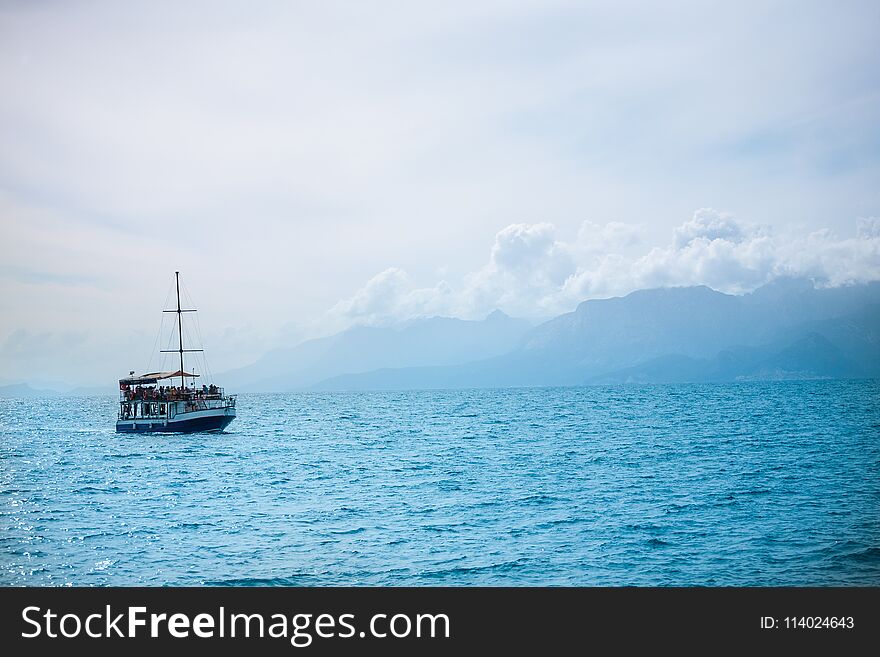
180, 348
179, 328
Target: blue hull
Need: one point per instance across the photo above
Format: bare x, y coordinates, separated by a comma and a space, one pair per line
214, 423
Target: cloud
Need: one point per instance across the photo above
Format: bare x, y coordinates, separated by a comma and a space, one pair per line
869, 227
525, 262
390, 296
830, 261
709, 225
715, 249
532, 273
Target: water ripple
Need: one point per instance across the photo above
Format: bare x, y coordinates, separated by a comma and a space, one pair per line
741, 484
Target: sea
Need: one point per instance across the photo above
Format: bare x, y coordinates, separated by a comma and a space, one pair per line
746, 484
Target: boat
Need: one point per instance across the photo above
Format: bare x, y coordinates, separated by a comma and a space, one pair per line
146, 404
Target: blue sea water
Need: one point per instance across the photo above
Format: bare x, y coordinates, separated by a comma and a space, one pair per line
743, 484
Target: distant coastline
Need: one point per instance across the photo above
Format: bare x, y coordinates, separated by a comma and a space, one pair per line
787, 329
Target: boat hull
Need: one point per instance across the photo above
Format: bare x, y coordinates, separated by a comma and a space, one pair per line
195, 422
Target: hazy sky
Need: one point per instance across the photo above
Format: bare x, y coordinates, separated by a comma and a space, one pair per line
310, 165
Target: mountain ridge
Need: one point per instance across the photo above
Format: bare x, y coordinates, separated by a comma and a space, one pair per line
646, 335
785, 329
427, 341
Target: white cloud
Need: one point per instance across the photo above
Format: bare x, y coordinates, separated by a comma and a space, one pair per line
531, 273
869, 227
524, 263
388, 297
709, 225
831, 261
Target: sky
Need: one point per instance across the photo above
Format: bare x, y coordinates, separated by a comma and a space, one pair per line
308, 166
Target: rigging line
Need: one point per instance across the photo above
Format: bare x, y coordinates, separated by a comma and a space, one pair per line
159, 334
155, 345
204, 353
198, 329
185, 326
189, 340
198, 326
166, 355
194, 355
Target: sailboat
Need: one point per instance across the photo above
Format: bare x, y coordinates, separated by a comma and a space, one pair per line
146, 404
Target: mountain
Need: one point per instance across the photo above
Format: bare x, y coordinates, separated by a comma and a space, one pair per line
812, 356
693, 321
43, 389
433, 341
787, 329
24, 391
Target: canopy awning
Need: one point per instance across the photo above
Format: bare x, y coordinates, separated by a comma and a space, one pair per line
152, 377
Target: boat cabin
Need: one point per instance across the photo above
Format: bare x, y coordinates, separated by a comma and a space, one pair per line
145, 397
